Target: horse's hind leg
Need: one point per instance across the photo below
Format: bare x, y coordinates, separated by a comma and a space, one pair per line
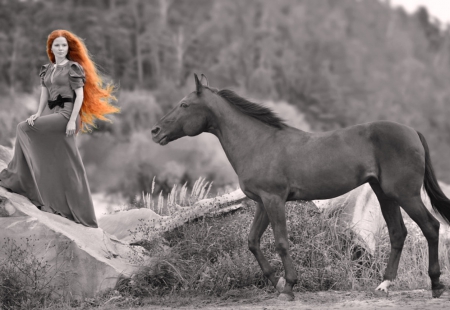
397, 235
430, 228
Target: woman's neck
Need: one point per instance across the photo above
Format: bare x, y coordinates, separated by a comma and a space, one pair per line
60, 61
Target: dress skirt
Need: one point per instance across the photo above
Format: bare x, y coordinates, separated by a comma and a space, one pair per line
47, 168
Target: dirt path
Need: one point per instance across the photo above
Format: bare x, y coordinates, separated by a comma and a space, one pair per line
417, 299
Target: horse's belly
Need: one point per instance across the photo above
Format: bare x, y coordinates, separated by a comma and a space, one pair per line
320, 193
326, 183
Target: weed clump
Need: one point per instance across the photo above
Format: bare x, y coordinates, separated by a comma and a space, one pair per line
210, 255
26, 280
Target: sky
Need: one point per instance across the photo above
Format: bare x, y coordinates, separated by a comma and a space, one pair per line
436, 8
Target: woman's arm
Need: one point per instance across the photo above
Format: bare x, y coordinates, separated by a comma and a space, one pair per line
71, 125
42, 101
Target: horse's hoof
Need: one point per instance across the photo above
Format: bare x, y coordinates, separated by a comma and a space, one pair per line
280, 284
286, 296
383, 289
381, 293
437, 292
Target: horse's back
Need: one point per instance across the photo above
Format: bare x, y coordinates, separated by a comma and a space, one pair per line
341, 160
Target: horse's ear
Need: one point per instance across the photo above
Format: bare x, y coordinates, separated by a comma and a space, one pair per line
204, 80
198, 85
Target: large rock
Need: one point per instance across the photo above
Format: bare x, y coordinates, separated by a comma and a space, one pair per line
90, 259
84, 260
126, 224
360, 210
122, 224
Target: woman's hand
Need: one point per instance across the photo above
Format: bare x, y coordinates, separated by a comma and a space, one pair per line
71, 127
32, 118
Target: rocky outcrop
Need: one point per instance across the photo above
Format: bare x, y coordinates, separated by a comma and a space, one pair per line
126, 224
360, 210
83, 260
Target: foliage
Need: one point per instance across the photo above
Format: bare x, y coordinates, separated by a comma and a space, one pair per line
121, 158
175, 199
27, 280
8, 121
339, 62
210, 256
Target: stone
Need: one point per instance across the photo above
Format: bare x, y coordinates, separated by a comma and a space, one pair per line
85, 260
5, 155
122, 224
360, 210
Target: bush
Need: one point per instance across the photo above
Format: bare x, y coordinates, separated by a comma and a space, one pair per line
210, 255
27, 280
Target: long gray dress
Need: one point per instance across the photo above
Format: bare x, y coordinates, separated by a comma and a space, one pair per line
47, 167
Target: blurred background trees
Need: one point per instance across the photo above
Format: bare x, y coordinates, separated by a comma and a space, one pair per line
337, 62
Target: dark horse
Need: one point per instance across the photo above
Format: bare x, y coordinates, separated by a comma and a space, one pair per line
276, 163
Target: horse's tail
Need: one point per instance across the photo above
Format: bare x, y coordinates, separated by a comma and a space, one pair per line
439, 202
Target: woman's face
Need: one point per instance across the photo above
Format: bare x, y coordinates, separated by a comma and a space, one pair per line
60, 47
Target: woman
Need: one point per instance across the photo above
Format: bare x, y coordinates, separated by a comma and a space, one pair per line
47, 167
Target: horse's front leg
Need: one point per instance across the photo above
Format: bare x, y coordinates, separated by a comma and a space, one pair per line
259, 226
275, 208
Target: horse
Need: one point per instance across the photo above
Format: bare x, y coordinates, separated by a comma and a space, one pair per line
276, 163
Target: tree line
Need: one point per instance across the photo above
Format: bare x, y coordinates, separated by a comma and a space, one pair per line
339, 62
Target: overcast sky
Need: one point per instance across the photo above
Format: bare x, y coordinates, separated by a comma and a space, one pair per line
436, 8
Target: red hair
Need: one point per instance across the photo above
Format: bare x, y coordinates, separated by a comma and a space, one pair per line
97, 96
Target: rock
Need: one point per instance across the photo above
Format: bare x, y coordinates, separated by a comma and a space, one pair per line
87, 260
8, 210
121, 224
360, 210
5, 156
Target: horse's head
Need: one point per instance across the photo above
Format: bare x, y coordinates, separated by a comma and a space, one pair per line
188, 118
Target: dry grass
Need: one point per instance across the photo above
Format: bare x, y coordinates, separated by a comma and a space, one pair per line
27, 279
208, 257
178, 196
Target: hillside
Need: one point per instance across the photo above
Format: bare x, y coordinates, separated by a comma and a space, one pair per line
337, 62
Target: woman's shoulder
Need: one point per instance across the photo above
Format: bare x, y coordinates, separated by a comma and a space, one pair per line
75, 69
44, 69
74, 64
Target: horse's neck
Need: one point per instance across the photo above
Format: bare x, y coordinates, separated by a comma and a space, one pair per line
240, 135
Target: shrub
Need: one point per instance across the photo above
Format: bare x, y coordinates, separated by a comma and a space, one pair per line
210, 255
27, 280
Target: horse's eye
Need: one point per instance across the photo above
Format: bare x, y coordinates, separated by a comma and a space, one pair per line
184, 105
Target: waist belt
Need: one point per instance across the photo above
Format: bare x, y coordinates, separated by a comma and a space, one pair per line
58, 102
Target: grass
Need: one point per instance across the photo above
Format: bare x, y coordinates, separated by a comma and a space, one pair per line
208, 258
178, 197
27, 279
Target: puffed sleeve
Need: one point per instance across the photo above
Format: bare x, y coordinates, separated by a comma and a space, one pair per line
76, 76
44, 69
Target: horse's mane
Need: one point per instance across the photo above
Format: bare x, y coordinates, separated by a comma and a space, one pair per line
252, 109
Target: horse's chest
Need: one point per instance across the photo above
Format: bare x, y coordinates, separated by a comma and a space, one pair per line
249, 190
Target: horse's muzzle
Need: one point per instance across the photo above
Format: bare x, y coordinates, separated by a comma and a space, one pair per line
155, 131
157, 137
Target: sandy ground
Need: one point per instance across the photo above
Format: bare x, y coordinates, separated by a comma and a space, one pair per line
417, 299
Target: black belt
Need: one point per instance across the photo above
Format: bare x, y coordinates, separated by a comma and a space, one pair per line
58, 102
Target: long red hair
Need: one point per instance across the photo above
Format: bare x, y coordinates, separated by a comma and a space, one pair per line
97, 96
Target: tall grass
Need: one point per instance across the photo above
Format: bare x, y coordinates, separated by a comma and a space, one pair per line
176, 199
27, 279
210, 256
